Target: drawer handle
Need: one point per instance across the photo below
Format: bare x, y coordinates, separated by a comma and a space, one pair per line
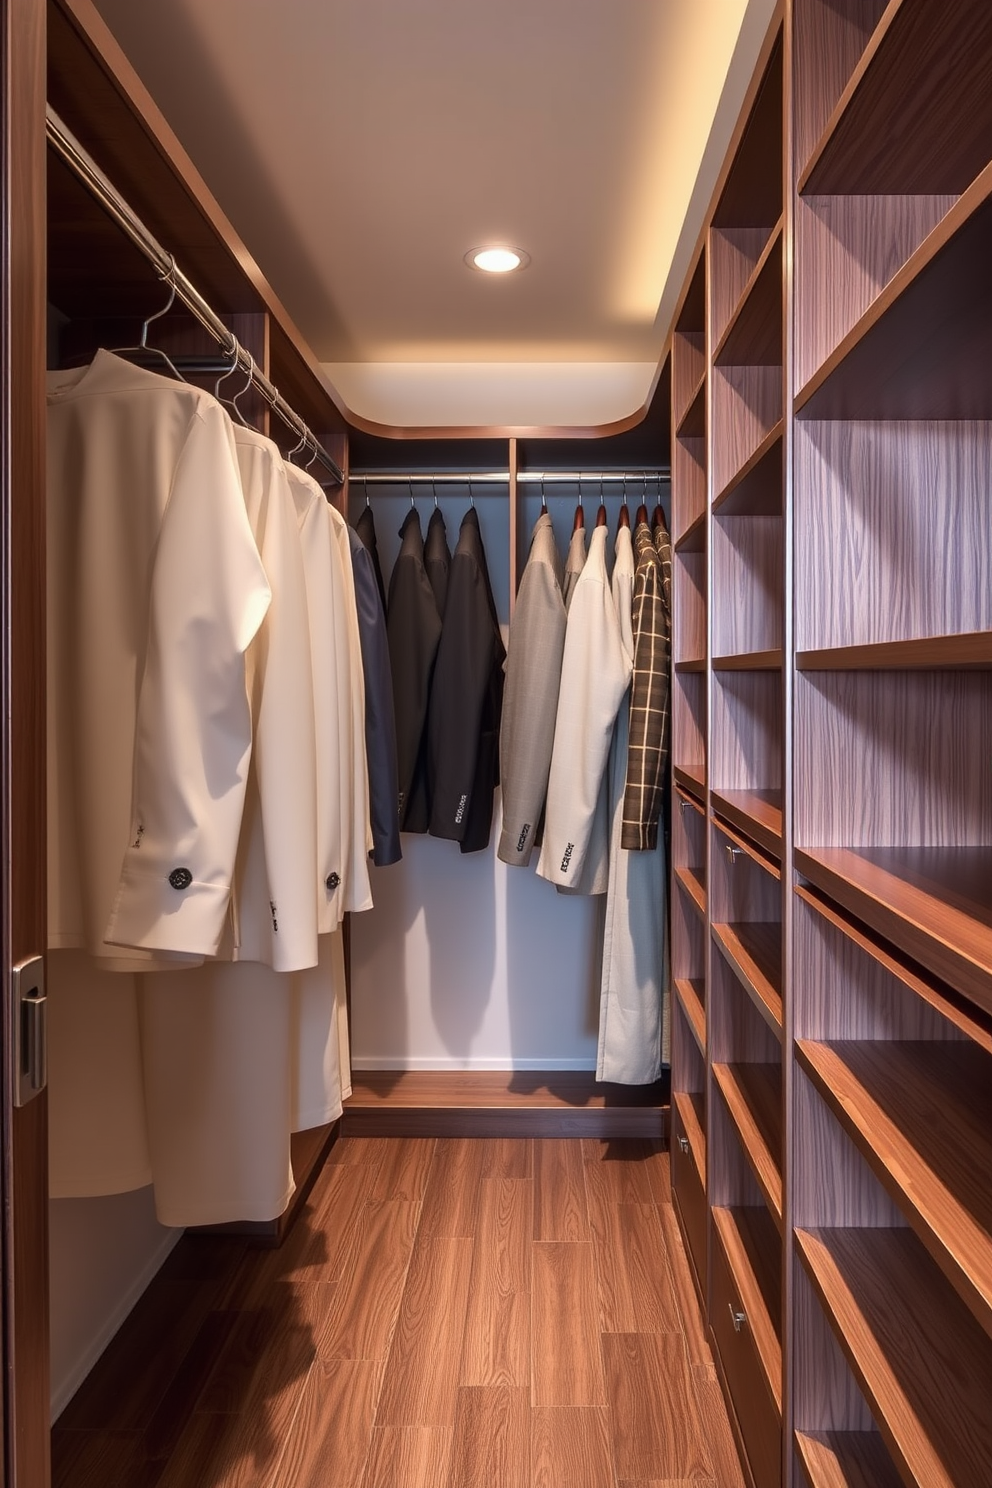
683, 803
737, 1317
683, 1144
733, 853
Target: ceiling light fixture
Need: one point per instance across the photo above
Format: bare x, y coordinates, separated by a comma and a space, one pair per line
497, 259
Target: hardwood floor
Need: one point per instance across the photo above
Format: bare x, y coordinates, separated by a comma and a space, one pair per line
447, 1313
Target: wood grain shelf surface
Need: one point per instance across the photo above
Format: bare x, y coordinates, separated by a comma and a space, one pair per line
920, 349
922, 1361
752, 1247
757, 489
691, 1106
921, 1113
695, 664
693, 422
691, 781
971, 651
916, 116
693, 539
934, 903
686, 801
750, 661
691, 880
753, 951
691, 993
846, 1459
958, 1010
754, 336
500, 1103
753, 1096
756, 813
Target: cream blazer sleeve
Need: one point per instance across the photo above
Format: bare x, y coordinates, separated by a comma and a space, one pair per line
595, 674
207, 594
354, 770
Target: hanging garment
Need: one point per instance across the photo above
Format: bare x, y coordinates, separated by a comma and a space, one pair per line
530, 702
414, 629
155, 592
353, 763
380, 723
635, 944
594, 676
320, 1069
575, 560
647, 754
437, 559
663, 544
365, 527
466, 699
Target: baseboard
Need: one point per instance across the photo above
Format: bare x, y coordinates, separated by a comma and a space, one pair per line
67, 1389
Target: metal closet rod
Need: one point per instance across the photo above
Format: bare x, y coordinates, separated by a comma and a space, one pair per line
502, 477
86, 169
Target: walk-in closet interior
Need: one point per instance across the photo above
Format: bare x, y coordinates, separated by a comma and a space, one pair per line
747, 1240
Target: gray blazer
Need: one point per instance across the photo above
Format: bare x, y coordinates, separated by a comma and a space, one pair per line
530, 699
380, 721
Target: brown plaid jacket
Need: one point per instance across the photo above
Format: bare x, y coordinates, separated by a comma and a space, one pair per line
647, 752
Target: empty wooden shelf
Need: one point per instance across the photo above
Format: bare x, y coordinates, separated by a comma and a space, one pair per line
693, 539
846, 1459
756, 488
921, 1113
691, 780
690, 992
753, 1096
969, 651
749, 661
753, 950
693, 423
922, 1361
694, 664
754, 336
756, 813
935, 903
751, 1245
691, 880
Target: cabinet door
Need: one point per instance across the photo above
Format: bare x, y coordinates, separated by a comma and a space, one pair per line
22, 740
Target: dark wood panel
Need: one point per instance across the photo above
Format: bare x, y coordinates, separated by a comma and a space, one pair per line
921, 1113
959, 652
692, 424
691, 880
916, 116
758, 1416
749, 661
926, 1370
690, 992
696, 665
693, 539
756, 813
846, 1459
692, 313
752, 1250
694, 784
935, 903
754, 335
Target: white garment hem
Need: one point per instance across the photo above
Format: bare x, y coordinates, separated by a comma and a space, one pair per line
225, 1211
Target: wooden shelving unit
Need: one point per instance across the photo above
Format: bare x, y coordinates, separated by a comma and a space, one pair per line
757, 813
968, 652
753, 1097
750, 1245
691, 880
691, 993
753, 951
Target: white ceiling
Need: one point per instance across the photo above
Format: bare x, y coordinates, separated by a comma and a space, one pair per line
362, 146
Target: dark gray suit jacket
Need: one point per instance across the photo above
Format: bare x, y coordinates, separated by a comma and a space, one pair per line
414, 629
365, 527
380, 722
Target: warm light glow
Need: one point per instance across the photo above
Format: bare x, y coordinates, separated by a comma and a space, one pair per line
497, 260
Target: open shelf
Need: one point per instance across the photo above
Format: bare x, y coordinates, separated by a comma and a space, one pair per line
753, 1096
694, 784
754, 336
690, 992
756, 488
695, 664
916, 116
752, 1246
693, 539
749, 661
846, 1459
691, 880
920, 351
756, 813
692, 1112
693, 422
921, 1114
919, 1356
690, 801
753, 951
971, 651
935, 903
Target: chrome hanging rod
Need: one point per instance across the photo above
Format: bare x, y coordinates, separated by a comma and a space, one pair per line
89, 173
502, 477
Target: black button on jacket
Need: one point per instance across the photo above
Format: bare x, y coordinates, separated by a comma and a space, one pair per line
466, 699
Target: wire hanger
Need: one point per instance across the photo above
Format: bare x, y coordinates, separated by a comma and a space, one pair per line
544, 499
235, 351
232, 402
316, 449
299, 445
143, 349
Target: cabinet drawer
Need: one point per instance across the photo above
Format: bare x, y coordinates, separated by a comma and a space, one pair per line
754, 1407
691, 1199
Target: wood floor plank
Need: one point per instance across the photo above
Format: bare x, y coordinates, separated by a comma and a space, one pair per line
560, 1191
404, 1168
657, 1161
227, 1451
718, 1433
650, 1389
636, 1289
507, 1157
329, 1439
700, 1354
571, 1447
669, 1483
566, 1360
421, 1380
180, 1400
361, 1320
101, 1459
616, 1172
451, 1197
356, 1152
491, 1444
268, 1351
409, 1457
496, 1349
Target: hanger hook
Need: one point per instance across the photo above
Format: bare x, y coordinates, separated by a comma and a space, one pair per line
242, 390
471, 493
235, 353
170, 279
434, 489
316, 451
300, 444
544, 499
365, 483
413, 504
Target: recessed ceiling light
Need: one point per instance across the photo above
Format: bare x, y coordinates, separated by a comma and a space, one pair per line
497, 259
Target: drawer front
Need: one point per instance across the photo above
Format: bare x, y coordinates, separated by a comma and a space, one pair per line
755, 1410
691, 1200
